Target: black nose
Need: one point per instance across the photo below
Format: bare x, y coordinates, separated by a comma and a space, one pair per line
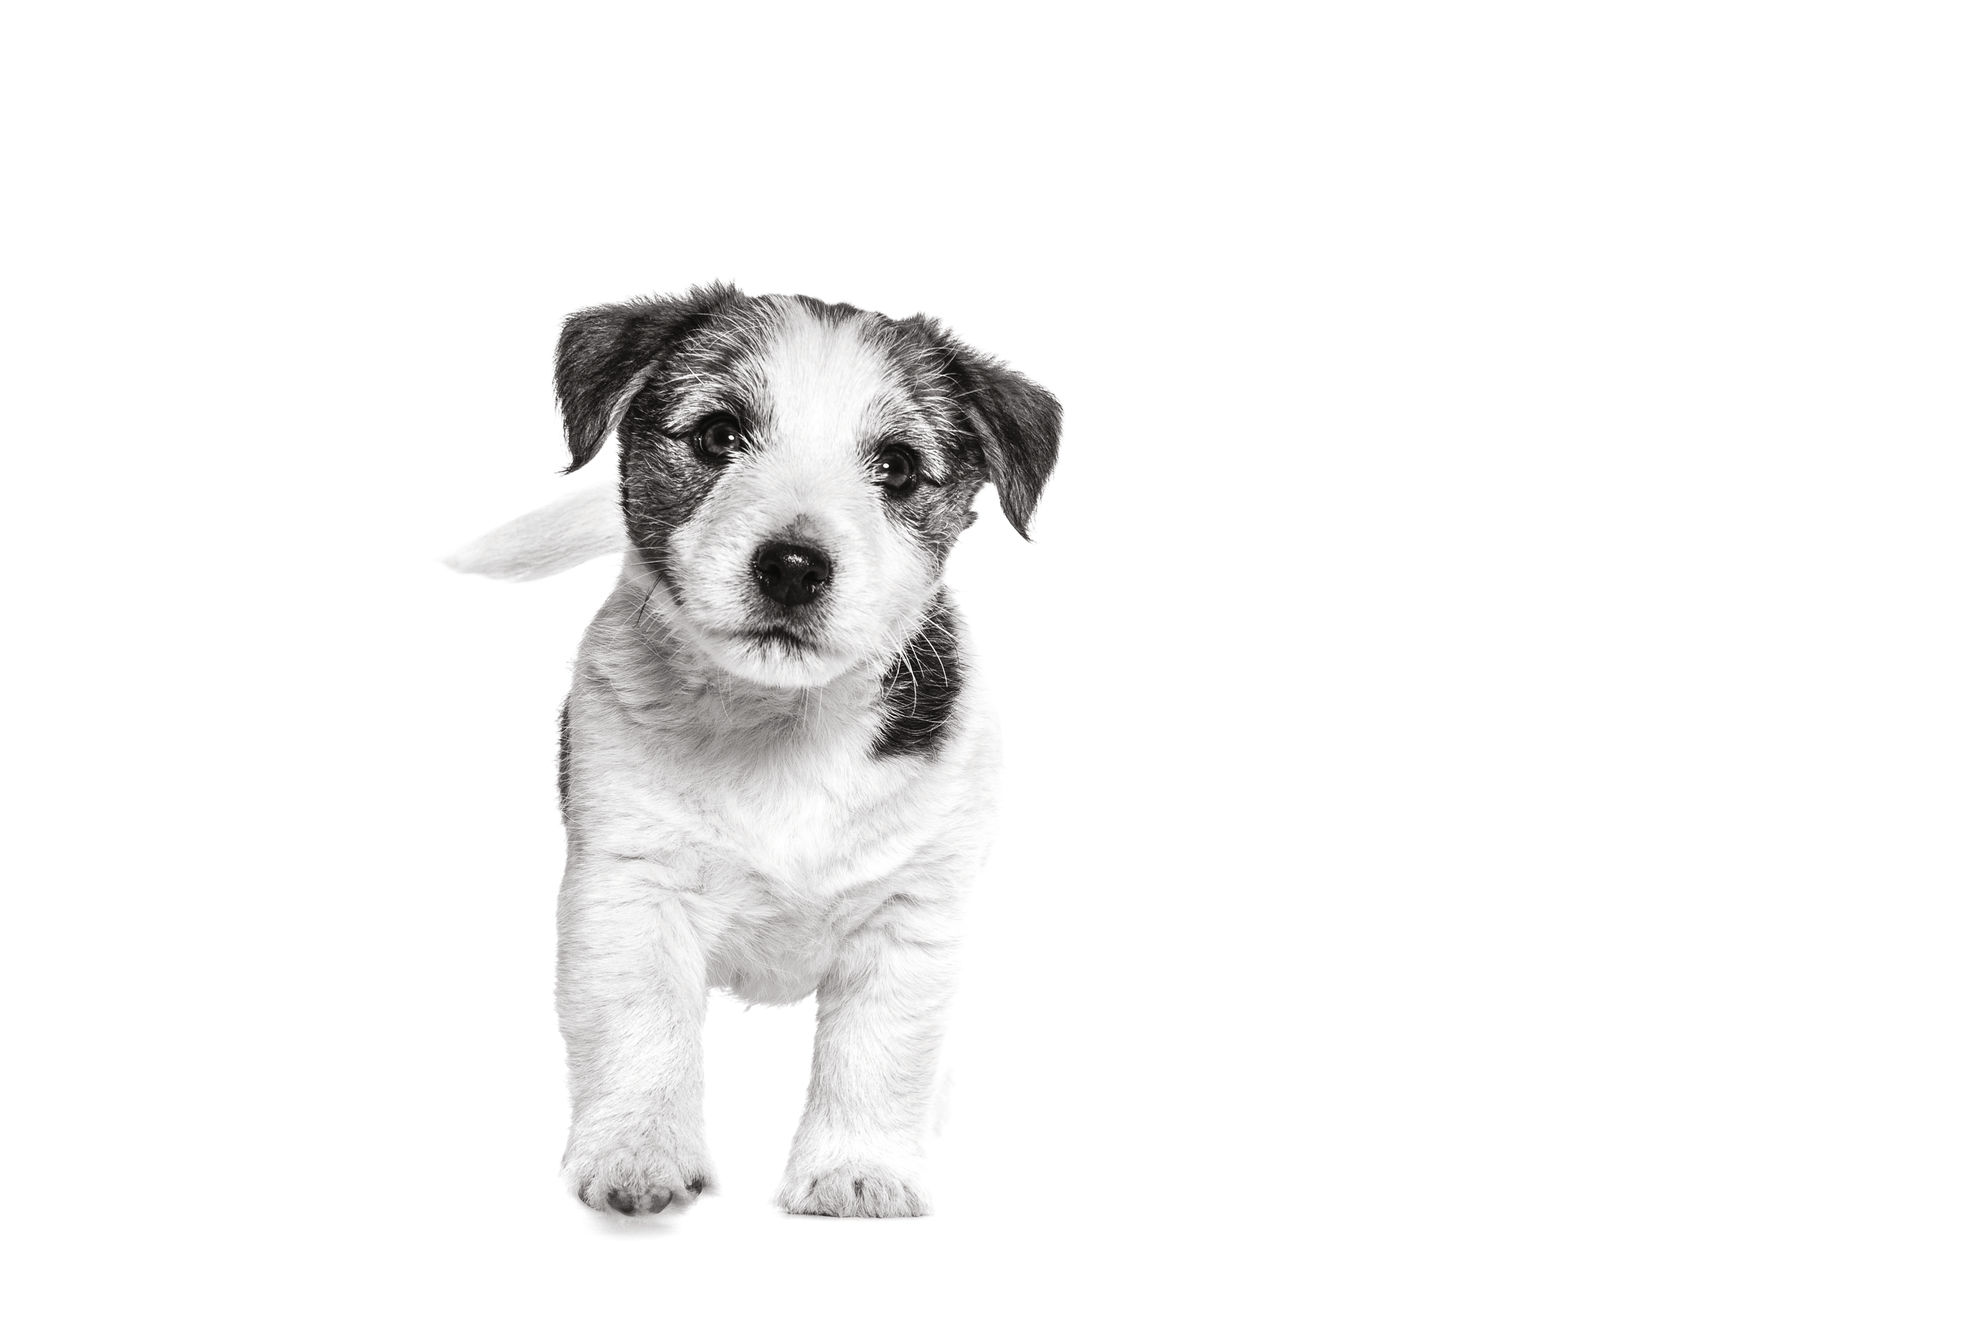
791, 574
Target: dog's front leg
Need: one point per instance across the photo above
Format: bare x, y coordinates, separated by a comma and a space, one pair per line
880, 1015
632, 990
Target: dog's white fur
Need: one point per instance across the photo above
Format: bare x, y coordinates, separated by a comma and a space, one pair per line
729, 825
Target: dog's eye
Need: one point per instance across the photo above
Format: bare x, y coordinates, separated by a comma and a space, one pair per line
897, 468
719, 438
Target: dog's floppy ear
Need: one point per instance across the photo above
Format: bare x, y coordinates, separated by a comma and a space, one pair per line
605, 353
1015, 421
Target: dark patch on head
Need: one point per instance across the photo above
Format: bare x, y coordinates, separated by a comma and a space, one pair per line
990, 424
918, 693
564, 759
935, 511
603, 348
603, 351
1015, 423
661, 479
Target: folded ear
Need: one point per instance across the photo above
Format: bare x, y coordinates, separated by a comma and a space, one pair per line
1015, 421
606, 353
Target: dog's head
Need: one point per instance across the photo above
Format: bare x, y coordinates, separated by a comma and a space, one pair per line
794, 474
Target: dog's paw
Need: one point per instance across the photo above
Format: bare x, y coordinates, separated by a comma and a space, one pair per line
635, 1179
856, 1189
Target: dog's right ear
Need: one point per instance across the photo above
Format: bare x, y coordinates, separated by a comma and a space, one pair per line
606, 353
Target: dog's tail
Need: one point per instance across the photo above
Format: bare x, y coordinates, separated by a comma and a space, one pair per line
560, 535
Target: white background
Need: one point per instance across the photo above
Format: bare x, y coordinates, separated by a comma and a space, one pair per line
1490, 705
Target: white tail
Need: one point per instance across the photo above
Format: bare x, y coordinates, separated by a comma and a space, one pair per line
560, 535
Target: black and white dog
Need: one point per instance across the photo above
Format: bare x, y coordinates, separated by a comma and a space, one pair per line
776, 775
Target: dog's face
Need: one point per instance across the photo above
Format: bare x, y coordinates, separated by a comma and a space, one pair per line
794, 474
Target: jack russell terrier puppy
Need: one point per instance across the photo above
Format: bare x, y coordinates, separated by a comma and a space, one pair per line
776, 775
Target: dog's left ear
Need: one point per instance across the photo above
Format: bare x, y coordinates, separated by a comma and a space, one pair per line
1015, 422
605, 353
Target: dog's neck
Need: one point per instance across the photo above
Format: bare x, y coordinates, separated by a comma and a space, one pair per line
885, 706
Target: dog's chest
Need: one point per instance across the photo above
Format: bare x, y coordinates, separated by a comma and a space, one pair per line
794, 867
798, 854
775, 944
813, 827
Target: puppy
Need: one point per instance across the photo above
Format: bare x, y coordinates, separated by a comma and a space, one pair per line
775, 772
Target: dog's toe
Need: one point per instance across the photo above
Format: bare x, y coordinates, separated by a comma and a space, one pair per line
634, 1182
633, 1202
854, 1191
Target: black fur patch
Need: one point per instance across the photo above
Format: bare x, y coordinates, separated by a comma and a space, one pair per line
1015, 422
661, 479
603, 348
920, 688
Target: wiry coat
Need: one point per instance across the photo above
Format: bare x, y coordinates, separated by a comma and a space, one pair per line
773, 795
